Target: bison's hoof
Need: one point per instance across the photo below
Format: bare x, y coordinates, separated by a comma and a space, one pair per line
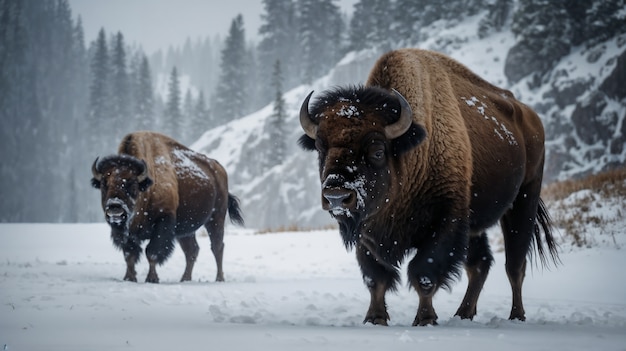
377, 318
152, 279
466, 311
517, 317
375, 321
185, 278
129, 278
425, 320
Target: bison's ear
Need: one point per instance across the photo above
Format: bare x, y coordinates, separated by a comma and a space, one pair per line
407, 141
95, 183
145, 184
306, 142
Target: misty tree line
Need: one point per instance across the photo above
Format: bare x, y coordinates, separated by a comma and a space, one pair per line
64, 101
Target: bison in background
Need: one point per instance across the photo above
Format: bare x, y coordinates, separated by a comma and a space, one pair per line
423, 159
159, 190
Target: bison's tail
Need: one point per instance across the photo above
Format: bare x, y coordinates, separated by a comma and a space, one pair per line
544, 221
234, 211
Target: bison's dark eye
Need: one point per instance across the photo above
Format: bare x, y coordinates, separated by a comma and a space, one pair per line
376, 154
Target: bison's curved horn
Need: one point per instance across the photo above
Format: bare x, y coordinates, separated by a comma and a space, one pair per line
310, 127
403, 124
144, 172
94, 170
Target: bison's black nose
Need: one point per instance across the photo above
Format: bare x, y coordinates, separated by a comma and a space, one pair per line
115, 211
338, 199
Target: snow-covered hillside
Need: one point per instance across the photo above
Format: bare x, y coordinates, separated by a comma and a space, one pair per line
578, 142
61, 289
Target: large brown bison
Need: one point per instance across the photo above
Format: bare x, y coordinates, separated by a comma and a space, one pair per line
422, 159
157, 189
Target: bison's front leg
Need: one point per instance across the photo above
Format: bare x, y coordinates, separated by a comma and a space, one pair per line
131, 250
436, 264
378, 278
160, 247
131, 273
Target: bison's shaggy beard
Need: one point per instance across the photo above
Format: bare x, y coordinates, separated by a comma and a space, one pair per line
349, 228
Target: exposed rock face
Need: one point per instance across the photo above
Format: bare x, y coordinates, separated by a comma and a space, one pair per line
583, 102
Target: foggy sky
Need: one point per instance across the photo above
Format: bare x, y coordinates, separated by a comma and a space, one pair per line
157, 24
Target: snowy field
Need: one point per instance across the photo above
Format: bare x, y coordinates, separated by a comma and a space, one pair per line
61, 289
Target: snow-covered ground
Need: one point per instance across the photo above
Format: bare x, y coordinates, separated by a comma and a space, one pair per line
61, 289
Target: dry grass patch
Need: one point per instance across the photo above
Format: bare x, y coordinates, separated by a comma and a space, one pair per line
611, 182
590, 210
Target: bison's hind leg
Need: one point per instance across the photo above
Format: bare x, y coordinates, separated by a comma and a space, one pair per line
190, 247
477, 265
215, 227
518, 225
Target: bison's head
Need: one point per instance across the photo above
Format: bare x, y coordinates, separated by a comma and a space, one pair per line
359, 134
120, 179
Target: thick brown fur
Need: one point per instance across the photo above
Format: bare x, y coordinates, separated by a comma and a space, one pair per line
472, 157
183, 191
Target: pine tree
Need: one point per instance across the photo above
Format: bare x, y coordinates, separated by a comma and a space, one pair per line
187, 117
120, 104
277, 153
80, 207
278, 41
37, 57
144, 97
200, 121
320, 31
407, 18
370, 25
99, 88
230, 96
16, 86
173, 115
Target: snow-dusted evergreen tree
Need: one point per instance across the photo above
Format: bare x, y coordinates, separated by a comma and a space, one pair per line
206, 64
99, 93
19, 118
370, 25
143, 96
252, 85
277, 148
320, 38
200, 118
230, 100
39, 110
278, 34
172, 116
120, 91
80, 207
187, 117
406, 21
